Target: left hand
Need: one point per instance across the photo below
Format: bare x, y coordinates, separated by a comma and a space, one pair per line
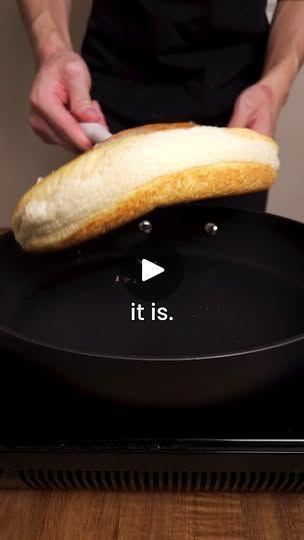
257, 108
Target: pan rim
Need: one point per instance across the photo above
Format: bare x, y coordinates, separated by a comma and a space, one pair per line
118, 357
9, 333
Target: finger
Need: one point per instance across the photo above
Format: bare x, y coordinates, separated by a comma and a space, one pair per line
102, 120
263, 123
242, 114
49, 136
78, 87
64, 125
45, 132
97, 106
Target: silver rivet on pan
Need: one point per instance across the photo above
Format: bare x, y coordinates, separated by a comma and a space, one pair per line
145, 226
211, 229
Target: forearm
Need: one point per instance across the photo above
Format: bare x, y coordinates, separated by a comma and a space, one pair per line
285, 52
47, 22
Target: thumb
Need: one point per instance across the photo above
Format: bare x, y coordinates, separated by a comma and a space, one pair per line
242, 113
254, 110
81, 104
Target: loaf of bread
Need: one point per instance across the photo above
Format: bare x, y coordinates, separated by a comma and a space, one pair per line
136, 171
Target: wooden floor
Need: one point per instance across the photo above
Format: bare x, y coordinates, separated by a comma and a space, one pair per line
31, 515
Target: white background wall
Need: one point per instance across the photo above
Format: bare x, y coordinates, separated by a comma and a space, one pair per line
24, 157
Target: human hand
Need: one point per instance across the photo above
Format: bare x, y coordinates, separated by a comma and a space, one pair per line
257, 108
60, 99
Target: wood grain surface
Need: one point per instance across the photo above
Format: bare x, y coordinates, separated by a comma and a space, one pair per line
89, 515
31, 515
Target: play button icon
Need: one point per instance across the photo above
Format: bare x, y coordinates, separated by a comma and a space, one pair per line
150, 270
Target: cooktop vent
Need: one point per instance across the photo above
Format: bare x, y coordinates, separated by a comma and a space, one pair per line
162, 481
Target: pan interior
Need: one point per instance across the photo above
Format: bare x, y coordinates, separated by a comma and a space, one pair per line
242, 289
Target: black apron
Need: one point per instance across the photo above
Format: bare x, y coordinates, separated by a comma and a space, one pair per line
175, 60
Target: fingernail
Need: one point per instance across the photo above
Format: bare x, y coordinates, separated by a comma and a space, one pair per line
90, 110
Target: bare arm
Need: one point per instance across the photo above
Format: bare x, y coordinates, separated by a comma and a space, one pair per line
285, 53
60, 96
259, 106
47, 23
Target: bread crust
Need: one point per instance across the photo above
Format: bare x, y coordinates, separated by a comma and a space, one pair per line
201, 182
222, 179
128, 136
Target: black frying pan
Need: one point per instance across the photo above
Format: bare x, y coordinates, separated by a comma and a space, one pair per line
236, 298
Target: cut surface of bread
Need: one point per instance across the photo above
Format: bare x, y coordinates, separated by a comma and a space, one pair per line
136, 171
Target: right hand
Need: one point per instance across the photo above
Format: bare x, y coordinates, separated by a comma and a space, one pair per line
60, 99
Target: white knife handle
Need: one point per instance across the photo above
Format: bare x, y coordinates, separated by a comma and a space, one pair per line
95, 132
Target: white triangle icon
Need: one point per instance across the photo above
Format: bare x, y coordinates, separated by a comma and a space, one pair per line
149, 270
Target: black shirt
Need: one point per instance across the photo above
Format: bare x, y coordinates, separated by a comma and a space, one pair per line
173, 60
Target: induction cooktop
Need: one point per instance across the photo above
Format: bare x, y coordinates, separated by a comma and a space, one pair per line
54, 436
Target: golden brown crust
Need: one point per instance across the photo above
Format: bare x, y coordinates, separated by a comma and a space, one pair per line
184, 186
217, 180
128, 136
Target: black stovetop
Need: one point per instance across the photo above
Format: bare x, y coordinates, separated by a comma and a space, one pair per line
52, 436
39, 410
